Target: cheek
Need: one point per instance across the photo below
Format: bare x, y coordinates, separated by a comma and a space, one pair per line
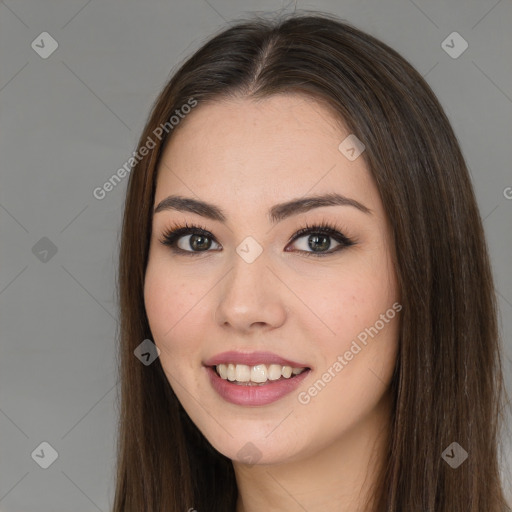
173, 308
360, 322
351, 303
356, 363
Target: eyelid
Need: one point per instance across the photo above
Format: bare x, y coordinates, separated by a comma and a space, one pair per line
176, 231
324, 227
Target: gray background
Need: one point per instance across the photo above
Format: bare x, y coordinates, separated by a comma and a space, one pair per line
71, 120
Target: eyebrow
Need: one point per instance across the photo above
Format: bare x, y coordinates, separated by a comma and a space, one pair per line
276, 213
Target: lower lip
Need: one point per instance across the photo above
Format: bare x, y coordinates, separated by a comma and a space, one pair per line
254, 395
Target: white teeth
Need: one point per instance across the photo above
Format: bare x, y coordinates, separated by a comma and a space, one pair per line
274, 372
223, 371
243, 373
287, 372
258, 374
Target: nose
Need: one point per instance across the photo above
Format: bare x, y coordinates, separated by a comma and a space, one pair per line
250, 297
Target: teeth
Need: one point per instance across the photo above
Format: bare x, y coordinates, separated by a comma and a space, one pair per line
274, 372
230, 371
242, 373
223, 371
286, 371
258, 374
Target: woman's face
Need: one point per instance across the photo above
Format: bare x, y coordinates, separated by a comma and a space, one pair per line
327, 302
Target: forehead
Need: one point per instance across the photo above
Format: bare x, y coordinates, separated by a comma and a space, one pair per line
280, 147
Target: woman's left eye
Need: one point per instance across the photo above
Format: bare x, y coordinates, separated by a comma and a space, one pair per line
316, 238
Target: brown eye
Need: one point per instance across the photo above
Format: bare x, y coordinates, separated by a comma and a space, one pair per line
190, 239
318, 240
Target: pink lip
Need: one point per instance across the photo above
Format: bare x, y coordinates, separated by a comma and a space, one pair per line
254, 395
251, 359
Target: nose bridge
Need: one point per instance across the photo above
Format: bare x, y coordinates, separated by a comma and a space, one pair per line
248, 276
249, 295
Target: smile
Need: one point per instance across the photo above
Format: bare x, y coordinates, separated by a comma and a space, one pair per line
254, 378
256, 375
249, 393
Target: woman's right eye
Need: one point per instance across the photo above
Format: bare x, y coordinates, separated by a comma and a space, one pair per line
190, 240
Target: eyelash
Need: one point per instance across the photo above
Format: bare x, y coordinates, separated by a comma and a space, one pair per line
171, 236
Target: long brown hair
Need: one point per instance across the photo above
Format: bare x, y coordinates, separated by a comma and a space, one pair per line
448, 384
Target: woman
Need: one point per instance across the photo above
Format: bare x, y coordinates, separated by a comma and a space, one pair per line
301, 243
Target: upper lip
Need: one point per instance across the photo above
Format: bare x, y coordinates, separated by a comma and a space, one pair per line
252, 359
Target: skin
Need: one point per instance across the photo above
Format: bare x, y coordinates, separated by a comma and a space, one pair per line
246, 156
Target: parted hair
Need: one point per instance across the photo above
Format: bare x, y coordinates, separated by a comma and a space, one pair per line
447, 384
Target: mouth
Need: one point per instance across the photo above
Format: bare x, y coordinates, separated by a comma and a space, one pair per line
255, 378
248, 393
256, 375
